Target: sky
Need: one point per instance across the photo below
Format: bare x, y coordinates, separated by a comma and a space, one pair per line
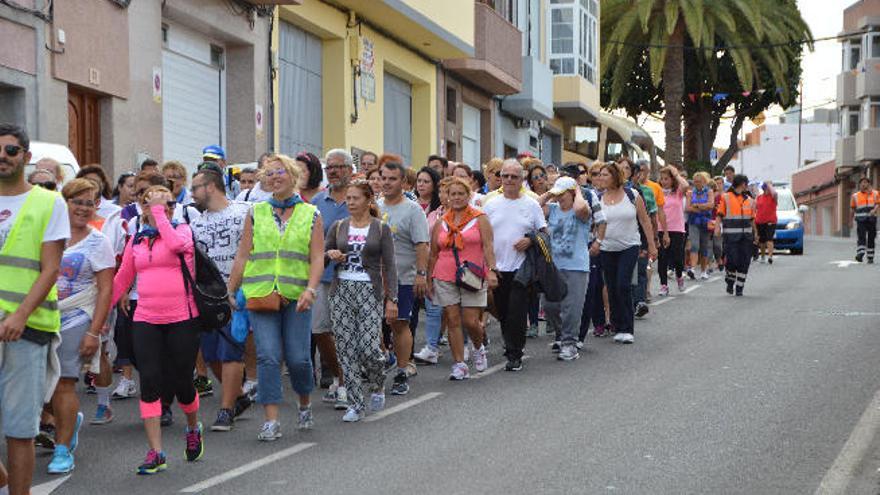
820, 69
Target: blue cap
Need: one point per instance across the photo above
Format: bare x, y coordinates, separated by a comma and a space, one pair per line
214, 151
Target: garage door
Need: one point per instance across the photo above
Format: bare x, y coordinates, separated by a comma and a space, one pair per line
300, 124
192, 95
398, 117
470, 136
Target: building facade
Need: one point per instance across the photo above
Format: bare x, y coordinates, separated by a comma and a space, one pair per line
815, 187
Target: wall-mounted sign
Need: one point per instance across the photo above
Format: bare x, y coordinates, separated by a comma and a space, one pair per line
157, 84
258, 118
368, 76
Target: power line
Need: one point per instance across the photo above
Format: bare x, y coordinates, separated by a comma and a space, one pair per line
716, 48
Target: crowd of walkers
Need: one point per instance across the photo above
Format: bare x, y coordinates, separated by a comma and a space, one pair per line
331, 259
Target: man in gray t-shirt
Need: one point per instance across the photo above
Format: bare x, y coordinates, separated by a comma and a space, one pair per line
408, 224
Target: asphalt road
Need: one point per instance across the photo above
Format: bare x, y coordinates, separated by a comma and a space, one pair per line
751, 395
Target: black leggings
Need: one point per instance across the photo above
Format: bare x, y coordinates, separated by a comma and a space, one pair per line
165, 356
671, 256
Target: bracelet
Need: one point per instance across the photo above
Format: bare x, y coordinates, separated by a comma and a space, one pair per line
313, 291
90, 334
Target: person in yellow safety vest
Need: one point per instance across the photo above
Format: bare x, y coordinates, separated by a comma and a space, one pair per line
865, 205
737, 212
33, 229
278, 265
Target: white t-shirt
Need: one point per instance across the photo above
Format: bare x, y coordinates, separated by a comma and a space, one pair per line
255, 195
218, 233
511, 220
58, 227
107, 208
622, 227
79, 265
114, 229
353, 267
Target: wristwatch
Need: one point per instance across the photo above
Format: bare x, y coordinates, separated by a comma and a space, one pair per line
392, 299
422, 273
313, 291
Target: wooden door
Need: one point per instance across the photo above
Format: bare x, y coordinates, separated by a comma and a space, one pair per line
84, 125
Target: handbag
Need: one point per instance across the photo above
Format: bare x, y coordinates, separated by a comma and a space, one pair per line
266, 304
468, 276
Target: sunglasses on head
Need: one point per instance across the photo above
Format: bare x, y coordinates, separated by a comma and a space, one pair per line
47, 185
12, 150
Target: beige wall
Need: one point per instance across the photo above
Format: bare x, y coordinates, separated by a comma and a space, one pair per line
18, 51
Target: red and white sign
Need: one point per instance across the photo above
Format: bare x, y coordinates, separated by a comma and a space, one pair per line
157, 84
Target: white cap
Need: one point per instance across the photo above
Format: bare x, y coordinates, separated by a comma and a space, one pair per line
563, 184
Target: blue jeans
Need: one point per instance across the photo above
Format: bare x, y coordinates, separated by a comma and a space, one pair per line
433, 314
618, 266
285, 335
640, 287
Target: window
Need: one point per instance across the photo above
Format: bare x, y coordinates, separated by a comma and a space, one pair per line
574, 38
871, 113
852, 54
872, 45
451, 104
850, 121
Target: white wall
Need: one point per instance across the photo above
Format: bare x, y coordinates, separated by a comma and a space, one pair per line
775, 158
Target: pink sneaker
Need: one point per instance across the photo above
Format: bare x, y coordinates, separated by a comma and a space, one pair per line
664, 290
680, 281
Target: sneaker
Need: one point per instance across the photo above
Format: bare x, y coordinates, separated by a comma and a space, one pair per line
481, 359
330, 395
739, 291
730, 287
103, 415
664, 291
377, 402
249, 388
762, 260
62, 461
270, 431
74, 440
305, 420
641, 309
690, 274
444, 340
125, 389
704, 276
326, 380
195, 447
859, 257
204, 386
532, 332
46, 437
579, 344
341, 401
242, 403
89, 380
600, 331
513, 364
680, 282
568, 353
459, 372
555, 347
624, 338
352, 415
427, 356
154, 463
870, 261
770, 260
411, 369
167, 418
224, 420
400, 385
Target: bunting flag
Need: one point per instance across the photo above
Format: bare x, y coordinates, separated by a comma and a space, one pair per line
716, 97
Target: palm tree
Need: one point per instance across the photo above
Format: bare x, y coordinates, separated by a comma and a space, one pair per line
666, 27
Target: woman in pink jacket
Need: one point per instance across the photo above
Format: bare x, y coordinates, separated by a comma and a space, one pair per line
165, 332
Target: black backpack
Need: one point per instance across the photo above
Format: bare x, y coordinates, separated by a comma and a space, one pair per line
208, 290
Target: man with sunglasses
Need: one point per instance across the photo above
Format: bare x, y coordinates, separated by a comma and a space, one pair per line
43, 178
34, 226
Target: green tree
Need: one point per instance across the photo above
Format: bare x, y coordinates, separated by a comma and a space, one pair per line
657, 51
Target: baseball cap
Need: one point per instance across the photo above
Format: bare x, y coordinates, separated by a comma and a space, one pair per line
563, 184
571, 170
214, 151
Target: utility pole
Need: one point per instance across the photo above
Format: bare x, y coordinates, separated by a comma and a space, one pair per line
800, 121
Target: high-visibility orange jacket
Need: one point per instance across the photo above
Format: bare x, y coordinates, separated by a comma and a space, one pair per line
737, 213
863, 203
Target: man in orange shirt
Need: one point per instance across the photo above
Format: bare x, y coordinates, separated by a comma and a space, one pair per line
737, 211
865, 205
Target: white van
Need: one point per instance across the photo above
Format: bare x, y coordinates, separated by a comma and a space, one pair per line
58, 152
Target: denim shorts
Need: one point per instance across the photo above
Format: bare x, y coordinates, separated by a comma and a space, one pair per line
405, 301
217, 348
22, 388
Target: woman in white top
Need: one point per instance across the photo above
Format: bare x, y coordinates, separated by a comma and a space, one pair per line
624, 212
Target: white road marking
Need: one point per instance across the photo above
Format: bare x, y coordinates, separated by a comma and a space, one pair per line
713, 279
49, 486
665, 300
403, 406
691, 288
854, 450
492, 369
246, 468
843, 263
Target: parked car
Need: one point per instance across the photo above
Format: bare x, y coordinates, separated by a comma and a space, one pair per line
789, 223
58, 152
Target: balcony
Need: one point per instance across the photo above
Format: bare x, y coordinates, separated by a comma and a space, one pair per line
845, 152
846, 89
867, 145
868, 80
535, 101
575, 99
497, 64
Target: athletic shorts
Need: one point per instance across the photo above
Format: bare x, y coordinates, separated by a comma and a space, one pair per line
405, 301
68, 352
766, 232
217, 348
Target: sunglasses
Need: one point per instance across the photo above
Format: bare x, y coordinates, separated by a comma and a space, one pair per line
511, 176
47, 185
12, 150
497, 174
594, 174
88, 203
539, 176
337, 167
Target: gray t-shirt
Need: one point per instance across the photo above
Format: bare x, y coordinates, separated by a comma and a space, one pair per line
409, 226
218, 233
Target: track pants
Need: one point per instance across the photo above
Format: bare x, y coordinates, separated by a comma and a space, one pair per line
738, 256
866, 232
672, 256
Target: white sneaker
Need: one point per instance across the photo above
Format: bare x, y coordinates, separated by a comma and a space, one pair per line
481, 360
126, 389
411, 369
624, 338
427, 356
568, 353
459, 372
704, 276
352, 415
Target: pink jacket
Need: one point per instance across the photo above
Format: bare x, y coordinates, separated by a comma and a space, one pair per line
161, 293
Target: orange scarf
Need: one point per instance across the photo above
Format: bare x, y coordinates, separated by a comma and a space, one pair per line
455, 236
